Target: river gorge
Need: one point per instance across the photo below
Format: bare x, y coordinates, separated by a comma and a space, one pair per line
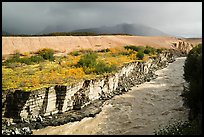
141, 111
112, 104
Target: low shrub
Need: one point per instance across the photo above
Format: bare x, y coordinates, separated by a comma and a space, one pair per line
12, 59
140, 55
149, 50
135, 48
104, 50
75, 53
47, 54
132, 48
101, 67
87, 60
126, 53
25, 60
90, 65
159, 50
36, 58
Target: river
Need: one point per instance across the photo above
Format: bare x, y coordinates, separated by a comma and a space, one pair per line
142, 110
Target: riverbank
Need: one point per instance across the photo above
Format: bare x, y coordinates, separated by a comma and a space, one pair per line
140, 111
41, 108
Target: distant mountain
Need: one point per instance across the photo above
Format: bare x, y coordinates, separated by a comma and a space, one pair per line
133, 29
54, 28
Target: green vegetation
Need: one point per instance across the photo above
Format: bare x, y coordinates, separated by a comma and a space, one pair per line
36, 59
149, 50
134, 48
181, 128
44, 54
47, 54
88, 60
193, 74
159, 50
90, 65
101, 67
29, 71
146, 50
75, 53
140, 55
104, 50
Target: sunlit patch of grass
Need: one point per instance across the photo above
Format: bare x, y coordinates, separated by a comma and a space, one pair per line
65, 70
118, 61
70, 61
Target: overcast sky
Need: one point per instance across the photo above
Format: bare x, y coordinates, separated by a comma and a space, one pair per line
178, 19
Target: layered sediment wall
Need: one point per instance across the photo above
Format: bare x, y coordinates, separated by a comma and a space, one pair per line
59, 98
66, 44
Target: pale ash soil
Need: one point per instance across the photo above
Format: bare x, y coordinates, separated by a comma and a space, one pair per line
141, 110
66, 44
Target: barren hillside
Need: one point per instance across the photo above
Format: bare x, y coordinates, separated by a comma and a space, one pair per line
67, 44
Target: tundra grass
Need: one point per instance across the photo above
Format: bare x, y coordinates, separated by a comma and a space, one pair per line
63, 70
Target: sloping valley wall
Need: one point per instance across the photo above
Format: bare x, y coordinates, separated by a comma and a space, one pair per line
57, 99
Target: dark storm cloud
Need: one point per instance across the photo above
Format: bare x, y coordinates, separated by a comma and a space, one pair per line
180, 19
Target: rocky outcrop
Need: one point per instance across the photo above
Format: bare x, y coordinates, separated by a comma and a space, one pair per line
27, 107
183, 46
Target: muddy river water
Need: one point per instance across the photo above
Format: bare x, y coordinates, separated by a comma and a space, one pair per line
140, 111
